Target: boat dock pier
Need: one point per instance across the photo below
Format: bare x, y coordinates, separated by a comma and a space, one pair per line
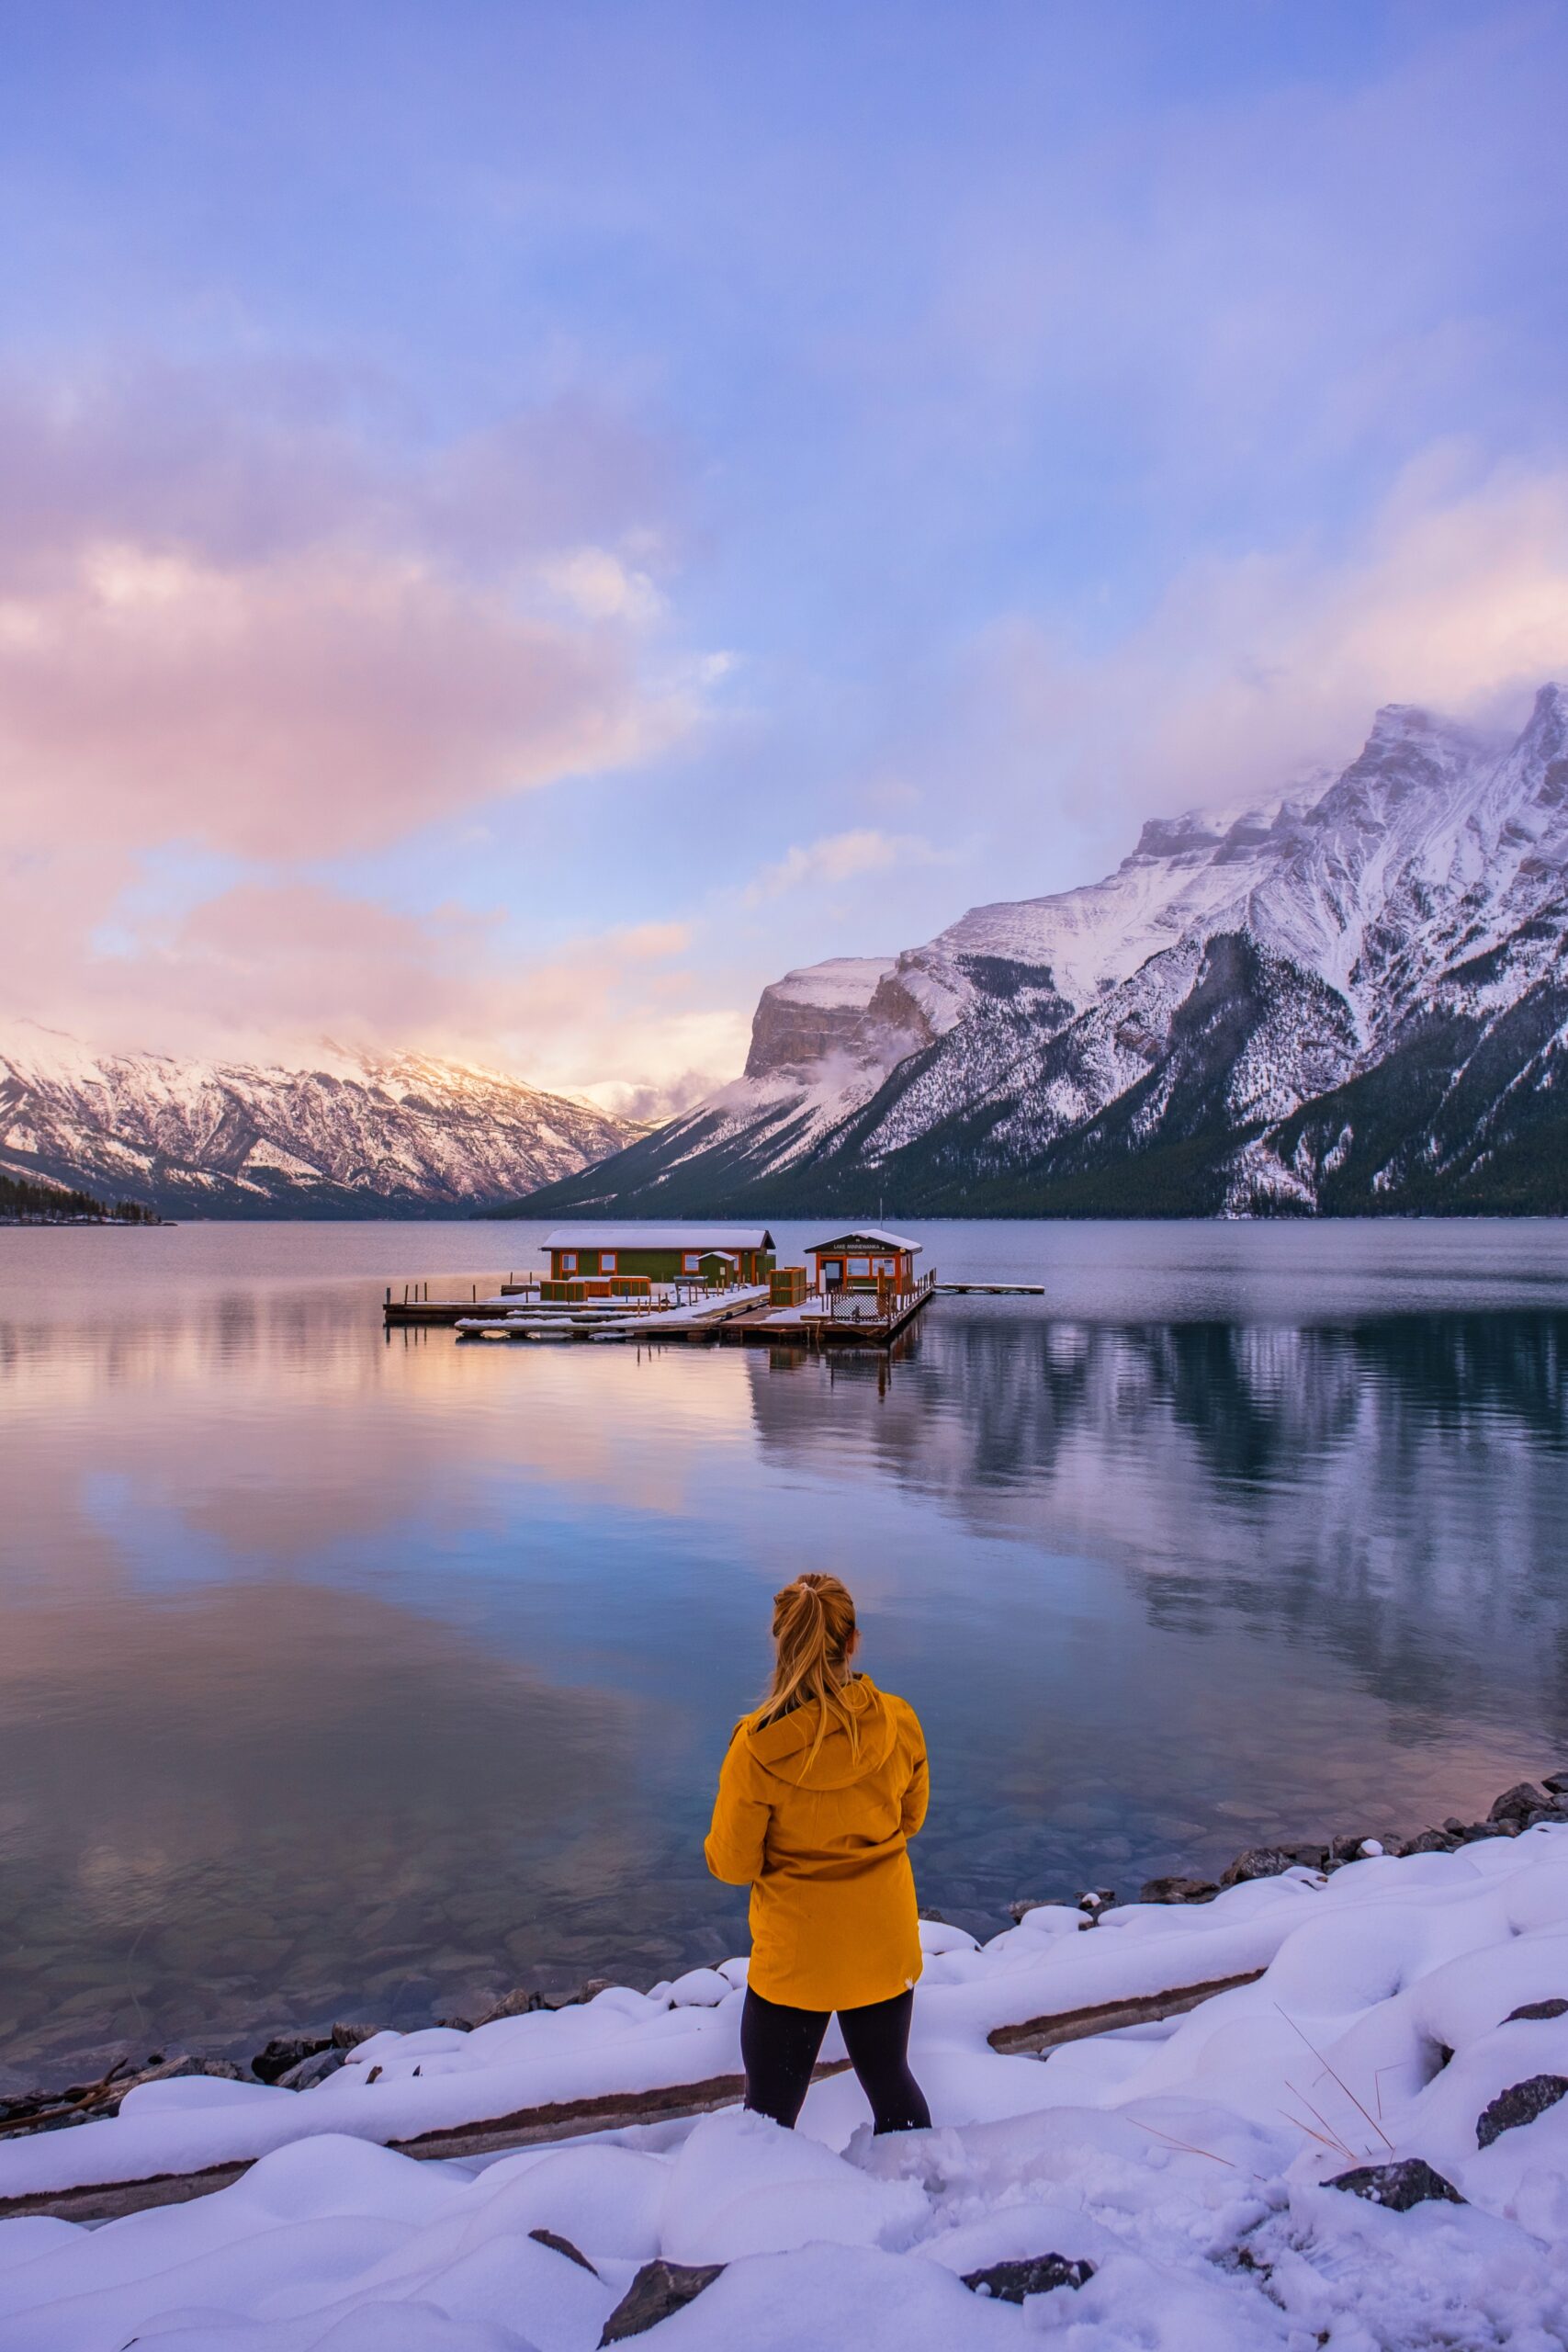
515, 1310
642, 1284
416, 1305
839, 1319
992, 1290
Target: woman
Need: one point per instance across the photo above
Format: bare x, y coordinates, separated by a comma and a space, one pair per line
820, 1791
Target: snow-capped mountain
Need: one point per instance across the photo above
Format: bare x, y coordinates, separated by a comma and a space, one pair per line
358, 1134
1350, 996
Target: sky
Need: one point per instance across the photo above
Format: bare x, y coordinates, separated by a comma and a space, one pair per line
520, 523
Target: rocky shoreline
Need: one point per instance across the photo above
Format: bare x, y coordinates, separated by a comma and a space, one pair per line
300, 2061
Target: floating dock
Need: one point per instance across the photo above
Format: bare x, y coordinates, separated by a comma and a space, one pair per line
515, 1312
842, 1318
603, 1318
991, 1290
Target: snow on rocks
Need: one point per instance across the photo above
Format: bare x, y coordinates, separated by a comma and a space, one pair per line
1276, 2168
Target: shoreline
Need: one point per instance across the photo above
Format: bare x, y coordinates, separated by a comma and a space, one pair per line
1312, 2108
300, 2057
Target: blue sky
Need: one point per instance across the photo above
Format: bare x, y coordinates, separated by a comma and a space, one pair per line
522, 523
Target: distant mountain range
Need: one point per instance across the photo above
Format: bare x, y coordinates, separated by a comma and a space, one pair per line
1346, 999
358, 1134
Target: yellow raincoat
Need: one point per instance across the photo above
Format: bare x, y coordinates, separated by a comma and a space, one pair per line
821, 1842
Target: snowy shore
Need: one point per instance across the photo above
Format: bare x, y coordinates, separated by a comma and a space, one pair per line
1410, 2023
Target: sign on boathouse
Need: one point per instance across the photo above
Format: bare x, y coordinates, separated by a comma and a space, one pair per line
866, 1259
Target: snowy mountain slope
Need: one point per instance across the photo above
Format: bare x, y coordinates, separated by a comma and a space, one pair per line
362, 1133
1350, 997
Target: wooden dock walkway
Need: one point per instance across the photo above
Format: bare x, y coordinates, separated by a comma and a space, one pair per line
848, 1318
992, 1290
491, 1299
851, 1319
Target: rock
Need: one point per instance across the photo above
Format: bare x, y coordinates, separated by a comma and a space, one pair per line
1346, 1849
1520, 2104
1096, 1899
564, 2245
659, 2289
588, 1990
1026, 1903
349, 2037
223, 2070
1430, 1841
1456, 1827
157, 2070
1178, 1890
1257, 1861
283, 2052
1534, 2009
167, 2070
1516, 1803
1411, 2181
1010, 2282
1556, 1783
313, 2070
937, 1918
519, 2003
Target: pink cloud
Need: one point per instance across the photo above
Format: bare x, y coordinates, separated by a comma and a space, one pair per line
267, 971
245, 625
242, 613
302, 707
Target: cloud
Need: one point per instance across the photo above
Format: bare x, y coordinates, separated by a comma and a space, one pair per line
260, 634
264, 970
838, 857
1255, 668
244, 630
303, 707
602, 588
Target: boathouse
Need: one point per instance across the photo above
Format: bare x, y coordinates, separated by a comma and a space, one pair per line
719, 1254
868, 1259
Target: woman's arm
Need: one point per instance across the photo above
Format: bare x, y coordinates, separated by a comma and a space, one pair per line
916, 1796
736, 1841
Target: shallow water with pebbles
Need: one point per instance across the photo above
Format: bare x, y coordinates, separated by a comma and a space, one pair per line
346, 1674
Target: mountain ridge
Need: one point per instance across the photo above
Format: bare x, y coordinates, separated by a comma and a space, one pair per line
1350, 997
363, 1133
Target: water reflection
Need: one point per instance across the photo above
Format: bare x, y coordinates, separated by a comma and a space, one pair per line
342, 1675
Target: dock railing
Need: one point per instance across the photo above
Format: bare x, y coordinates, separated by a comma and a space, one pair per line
885, 1304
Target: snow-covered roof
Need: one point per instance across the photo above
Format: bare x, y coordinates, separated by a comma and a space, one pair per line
658, 1236
873, 1236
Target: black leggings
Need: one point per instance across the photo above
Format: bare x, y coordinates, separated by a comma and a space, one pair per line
779, 2046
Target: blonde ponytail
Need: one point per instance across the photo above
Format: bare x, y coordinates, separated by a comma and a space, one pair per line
814, 1630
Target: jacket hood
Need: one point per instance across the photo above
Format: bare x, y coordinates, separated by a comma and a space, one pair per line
784, 1747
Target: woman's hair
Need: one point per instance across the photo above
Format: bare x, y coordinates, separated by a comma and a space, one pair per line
814, 1625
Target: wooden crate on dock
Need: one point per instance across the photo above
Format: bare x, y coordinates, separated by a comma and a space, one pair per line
786, 1286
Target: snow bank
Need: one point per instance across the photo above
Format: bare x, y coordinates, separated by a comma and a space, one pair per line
400, 2087
1187, 2162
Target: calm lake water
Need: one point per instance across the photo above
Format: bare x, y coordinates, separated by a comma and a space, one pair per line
346, 1674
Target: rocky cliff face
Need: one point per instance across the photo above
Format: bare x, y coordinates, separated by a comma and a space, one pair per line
361, 1134
1352, 997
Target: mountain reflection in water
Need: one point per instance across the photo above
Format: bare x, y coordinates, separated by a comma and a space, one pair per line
349, 1676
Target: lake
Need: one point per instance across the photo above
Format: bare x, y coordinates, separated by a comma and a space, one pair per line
364, 1675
